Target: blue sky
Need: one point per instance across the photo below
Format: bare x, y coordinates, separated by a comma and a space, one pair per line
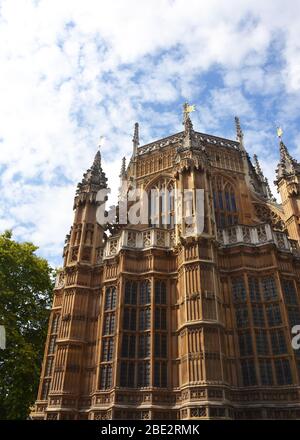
72, 71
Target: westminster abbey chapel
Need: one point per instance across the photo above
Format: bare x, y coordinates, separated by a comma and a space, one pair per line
162, 320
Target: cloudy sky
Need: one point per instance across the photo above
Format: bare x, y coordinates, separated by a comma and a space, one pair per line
74, 70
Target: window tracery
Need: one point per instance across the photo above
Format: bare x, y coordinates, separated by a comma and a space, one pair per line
161, 209
225, 204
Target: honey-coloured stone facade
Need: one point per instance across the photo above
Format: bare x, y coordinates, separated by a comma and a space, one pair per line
155, 322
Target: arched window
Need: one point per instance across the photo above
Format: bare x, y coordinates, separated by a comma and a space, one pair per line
161, 204
55, 322
224, 203
110, 298
130, 292
160, 292
145, 293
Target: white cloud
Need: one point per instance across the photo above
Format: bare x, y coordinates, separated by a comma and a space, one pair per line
72, 71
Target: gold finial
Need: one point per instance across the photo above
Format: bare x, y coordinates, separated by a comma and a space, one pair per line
279, 132
187, 108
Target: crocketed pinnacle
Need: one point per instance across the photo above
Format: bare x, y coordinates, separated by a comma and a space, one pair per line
263, 180
189, 140
258, 168
94, 179
136, 139
269, 193
287, 166
123, 168
239, 133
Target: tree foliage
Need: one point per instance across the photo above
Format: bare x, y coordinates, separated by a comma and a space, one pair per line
26, 283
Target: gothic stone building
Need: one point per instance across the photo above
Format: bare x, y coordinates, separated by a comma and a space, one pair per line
156, 322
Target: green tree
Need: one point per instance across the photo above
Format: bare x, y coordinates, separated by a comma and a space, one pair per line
26, 283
